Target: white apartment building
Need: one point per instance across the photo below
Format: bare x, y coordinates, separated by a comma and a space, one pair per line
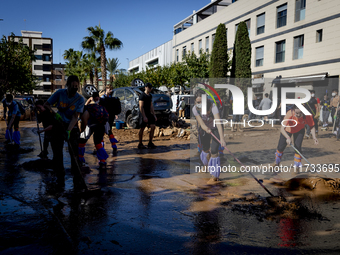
294, 42
160, 56
42, 66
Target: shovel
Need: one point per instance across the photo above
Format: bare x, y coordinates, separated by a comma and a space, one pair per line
272, 200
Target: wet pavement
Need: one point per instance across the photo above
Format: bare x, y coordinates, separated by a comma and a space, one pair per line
149, 203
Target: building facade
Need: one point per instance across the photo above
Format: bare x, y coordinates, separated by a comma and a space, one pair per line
294, 42
42, 66
58, 77
160, 56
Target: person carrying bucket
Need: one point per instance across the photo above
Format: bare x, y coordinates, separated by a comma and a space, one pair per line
295, 122
209, 152
14, 115
93, 121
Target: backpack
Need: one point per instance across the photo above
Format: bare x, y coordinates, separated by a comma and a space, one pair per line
21, 107
98, 113
112, 105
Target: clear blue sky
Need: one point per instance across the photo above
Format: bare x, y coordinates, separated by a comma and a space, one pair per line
140, 24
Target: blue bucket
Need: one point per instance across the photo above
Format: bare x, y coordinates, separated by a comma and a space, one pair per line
119, 124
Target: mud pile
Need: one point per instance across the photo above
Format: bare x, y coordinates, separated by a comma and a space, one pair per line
272, 208
315, 184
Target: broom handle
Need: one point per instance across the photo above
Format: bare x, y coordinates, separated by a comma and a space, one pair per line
244, 166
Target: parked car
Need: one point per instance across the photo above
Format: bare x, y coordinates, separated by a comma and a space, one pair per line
129, 99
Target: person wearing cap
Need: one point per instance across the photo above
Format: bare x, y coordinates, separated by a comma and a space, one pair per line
181, 108
148, 114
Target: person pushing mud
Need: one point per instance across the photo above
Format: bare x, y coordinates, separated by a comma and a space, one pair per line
210, 153
295, 122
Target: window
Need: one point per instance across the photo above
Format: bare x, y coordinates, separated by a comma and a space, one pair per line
213, 40
248, 25
46, 77
281, 16
260, 23
120, 94
177, 55
300, 10
200, 45
128, 95
184, 51
38, 57
47, 67
37, 46
259, 56
298, 47
38, 67
192, 47
280, 51
58, 77
47, 47
207, 44
319, 35
46, 57
153, 63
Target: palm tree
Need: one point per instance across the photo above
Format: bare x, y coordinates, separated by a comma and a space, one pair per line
94, 63
112, 65
76, 64
98, 41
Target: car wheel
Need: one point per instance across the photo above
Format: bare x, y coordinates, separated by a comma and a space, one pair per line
131, 123
88, 90
137, 82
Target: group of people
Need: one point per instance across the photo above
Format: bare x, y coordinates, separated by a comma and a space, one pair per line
296, 125
75, 122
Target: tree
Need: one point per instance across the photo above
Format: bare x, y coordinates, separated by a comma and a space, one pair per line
77, 64
94, 62
197, 67
98, 41
112, 66
242, 49
16, 67
219, 62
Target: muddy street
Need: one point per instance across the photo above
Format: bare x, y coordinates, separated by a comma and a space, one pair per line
151, 202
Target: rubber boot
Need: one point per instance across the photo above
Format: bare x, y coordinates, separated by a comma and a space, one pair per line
214, 167
113, 141
204, 158
278, 156
81, 152
16, 137
101, 155
8, 135
297, 160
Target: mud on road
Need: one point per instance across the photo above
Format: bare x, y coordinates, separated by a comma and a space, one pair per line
151, 203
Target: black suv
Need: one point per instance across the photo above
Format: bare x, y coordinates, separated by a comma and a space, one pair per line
129, 99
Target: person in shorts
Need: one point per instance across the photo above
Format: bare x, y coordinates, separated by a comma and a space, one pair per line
148, 114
